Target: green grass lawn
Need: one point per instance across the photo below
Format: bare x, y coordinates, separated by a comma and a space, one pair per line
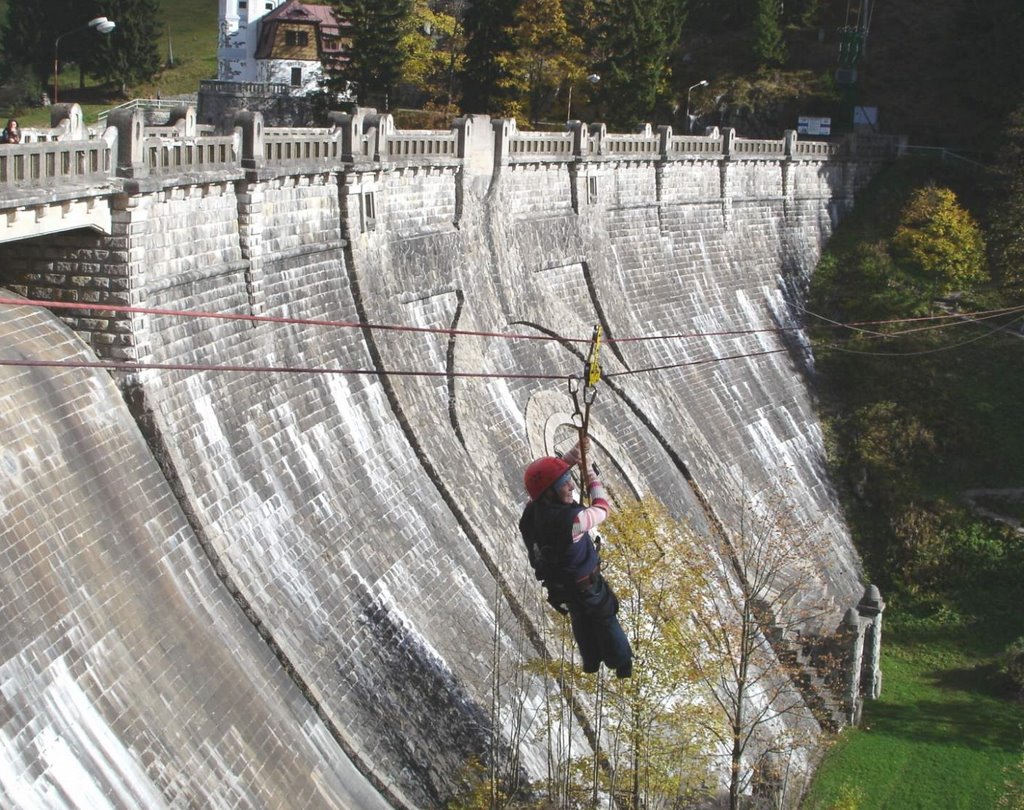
189, 33
944, 735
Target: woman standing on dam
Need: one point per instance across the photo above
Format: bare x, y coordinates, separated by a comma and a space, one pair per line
556, 530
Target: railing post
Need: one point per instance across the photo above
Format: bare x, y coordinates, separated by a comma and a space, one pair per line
74, 128
790, 139
728, 138
664, 140
504, 130
251, 124
130, 133
579, 141
349, 126
183, 119
853, 633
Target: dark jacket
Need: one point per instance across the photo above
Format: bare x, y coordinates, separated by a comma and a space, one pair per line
546, 528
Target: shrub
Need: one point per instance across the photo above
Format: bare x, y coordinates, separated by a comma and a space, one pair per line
1013, 664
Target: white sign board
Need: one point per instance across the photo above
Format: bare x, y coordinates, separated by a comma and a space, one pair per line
812, 125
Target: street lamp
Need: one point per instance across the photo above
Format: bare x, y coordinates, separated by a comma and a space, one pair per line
99, 24
593, 78
689, 121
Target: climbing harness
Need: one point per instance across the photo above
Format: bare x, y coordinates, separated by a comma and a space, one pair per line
581, 418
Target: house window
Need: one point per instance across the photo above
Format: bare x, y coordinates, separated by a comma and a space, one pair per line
268, 6
296, 77
296, 38
242, 5
591, 189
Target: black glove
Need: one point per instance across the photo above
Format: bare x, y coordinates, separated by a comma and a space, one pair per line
556, 597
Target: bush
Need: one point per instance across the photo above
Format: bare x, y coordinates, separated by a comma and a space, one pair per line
1013, 664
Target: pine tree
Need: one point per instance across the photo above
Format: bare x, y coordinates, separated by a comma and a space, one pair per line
130, 54
637, 39
376, 59
1006, 230
490, 30
769, 47
29, 34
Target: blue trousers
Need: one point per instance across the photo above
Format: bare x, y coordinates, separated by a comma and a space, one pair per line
596, 628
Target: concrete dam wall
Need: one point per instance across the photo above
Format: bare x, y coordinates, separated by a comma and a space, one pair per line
260, 562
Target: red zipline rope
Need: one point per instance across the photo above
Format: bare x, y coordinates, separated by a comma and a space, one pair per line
189, 313
138, 366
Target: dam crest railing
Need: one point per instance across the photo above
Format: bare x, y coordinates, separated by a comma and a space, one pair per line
68, 154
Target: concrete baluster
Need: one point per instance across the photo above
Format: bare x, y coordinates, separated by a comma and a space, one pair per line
854, 635
870, 608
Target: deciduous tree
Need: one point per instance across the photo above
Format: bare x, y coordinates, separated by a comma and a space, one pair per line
1006, 231
433, 50
658, 750
940, 242
545, 58
757, 586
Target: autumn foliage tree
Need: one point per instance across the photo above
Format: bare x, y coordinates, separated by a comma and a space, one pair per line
655, 720
432, 48
545, 57
940, 242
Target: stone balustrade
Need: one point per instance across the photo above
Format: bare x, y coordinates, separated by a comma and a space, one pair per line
190, 155
815, 150
703, 146
49, 164
420, 143
66, 154
282, 145
535, 145
643, 144
754, 148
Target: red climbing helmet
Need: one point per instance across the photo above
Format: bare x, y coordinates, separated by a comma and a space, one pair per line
542, 473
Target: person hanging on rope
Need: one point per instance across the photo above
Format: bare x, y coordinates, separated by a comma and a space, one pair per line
556, 529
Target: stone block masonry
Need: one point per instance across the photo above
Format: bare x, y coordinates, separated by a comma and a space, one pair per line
331, 549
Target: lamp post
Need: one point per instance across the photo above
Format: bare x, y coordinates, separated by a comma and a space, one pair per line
689, 121
99, 24
593, 78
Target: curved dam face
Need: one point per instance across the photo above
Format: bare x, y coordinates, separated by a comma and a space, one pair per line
265, 568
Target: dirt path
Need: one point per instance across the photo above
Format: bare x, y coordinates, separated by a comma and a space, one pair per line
972, 495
